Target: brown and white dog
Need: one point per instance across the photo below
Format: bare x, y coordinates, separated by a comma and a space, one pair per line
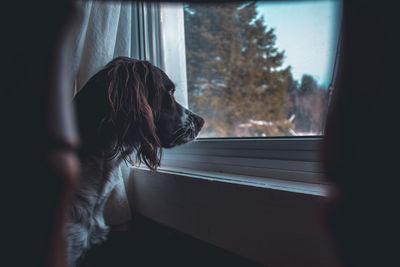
126, 109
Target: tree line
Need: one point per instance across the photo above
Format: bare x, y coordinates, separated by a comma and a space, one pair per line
236, 78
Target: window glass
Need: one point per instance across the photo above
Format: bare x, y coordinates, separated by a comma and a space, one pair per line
261, 68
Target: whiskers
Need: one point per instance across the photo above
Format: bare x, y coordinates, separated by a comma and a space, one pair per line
181, 133
186, 131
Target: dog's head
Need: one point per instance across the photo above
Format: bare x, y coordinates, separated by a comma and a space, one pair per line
130, 106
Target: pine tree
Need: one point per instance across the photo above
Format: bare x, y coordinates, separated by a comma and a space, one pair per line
235, 70
309, 104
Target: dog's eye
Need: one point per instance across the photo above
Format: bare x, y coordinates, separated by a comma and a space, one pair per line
168, 99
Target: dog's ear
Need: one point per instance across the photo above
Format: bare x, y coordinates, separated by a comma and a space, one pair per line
133, 100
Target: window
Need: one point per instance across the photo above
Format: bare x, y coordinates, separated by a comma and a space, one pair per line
260, 73
260, 68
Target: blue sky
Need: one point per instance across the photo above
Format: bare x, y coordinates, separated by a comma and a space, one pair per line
307, 31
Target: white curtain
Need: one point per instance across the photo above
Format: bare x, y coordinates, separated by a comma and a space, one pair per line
104, 31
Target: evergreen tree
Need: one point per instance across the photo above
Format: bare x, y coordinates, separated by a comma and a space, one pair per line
308, 84
235, 70
309, 104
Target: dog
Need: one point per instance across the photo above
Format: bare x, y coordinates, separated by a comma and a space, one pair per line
125, 110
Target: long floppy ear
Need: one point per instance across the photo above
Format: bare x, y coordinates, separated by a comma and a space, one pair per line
130, 117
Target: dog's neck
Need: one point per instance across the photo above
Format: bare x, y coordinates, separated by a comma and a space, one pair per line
96, 165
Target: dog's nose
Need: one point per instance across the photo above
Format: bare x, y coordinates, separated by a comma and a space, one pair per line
199, 121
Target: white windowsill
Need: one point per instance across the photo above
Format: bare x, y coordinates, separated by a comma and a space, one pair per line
263, 182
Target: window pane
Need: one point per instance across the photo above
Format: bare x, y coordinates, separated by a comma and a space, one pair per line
261, 68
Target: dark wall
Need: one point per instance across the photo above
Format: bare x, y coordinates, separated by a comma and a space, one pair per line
38, 161
360, 148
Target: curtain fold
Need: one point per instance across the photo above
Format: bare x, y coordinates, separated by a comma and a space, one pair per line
105, 33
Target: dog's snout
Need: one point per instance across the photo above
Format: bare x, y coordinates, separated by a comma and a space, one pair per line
196, 119
199, 121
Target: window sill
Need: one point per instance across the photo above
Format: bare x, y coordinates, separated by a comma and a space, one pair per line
247, 180
286, 159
